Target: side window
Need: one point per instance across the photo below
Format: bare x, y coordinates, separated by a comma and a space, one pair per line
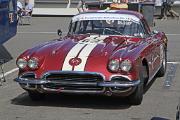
146, 28
77, 27
141, 29
11, 7
137, 30
71, 28
89, 26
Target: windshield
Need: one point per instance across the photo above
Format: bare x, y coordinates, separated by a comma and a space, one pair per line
107, 27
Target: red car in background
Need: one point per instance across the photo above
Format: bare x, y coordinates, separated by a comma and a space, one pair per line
110, 52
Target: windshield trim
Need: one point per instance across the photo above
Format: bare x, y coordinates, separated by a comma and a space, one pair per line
105, 16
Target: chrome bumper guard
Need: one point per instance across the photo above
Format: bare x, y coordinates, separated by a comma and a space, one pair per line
40, 82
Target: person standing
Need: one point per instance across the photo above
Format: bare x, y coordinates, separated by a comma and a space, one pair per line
82, 6
164, 10
28, 8
167, 7
19, 10
19, 6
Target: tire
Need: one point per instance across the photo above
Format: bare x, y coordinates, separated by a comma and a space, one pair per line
35, 96
137, 96
162, 70
177, 115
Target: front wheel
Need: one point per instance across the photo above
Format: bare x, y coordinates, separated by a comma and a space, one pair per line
137, 96
35, 96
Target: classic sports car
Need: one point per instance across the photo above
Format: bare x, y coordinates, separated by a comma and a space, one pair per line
110, 52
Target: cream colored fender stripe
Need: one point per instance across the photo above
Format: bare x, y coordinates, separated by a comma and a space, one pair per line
72, 53
84, 54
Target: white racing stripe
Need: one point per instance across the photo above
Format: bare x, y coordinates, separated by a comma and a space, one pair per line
72, 53
84, 56
90, 42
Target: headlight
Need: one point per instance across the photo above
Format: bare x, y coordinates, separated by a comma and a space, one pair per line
21, 63
33, 63
126, 65
113, 65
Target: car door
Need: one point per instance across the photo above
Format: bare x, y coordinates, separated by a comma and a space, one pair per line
159, 49
156, 56
152, 49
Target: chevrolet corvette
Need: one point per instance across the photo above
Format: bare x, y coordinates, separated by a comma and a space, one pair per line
106, 52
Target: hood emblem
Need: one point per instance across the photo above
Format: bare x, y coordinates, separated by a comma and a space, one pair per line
75, 61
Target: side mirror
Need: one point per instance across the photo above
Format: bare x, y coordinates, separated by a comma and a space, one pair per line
154, 32
59, 32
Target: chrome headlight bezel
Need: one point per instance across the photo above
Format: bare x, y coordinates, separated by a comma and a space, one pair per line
33, 63
21, 63
126, 65
113, 65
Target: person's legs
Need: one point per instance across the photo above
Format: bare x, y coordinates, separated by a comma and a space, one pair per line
164, 11
172, 12
169, 8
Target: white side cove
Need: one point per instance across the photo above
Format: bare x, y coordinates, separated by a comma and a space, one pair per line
105, 16
89, 44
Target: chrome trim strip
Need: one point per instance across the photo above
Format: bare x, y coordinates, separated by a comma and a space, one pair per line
26, 73
101, 84
32, 81
119, 84
74, 91
117, 75
39, 83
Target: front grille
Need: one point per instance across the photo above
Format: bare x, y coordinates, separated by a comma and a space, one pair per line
74, 81
76, 77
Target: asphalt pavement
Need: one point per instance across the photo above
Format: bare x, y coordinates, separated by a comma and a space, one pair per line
159, 101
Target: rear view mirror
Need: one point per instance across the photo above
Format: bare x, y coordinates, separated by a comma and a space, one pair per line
59, 32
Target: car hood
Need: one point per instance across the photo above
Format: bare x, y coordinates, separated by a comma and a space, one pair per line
81, 53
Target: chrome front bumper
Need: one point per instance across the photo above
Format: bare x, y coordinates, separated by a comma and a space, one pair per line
39, 85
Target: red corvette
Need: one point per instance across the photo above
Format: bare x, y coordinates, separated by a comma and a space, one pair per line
110, 52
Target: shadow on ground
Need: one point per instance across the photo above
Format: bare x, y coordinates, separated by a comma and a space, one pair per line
74, 101
159, 118
78, 101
